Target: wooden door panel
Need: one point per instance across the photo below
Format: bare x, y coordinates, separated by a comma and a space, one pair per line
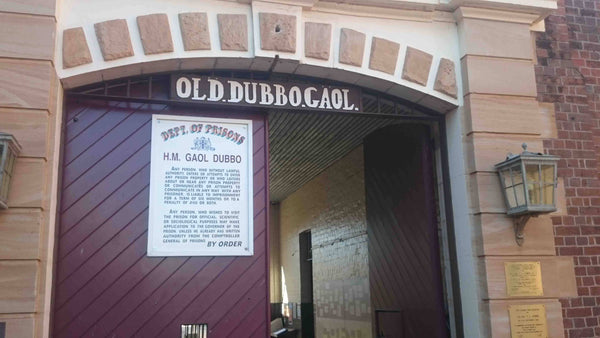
105, 284
404, 257
100, 157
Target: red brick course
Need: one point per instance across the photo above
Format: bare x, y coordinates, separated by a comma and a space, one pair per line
568, 75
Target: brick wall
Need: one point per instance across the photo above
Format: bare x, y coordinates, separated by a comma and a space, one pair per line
332, 205
568, 76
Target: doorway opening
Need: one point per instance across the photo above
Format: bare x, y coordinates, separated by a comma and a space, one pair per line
324, 175
306, 285
358, 195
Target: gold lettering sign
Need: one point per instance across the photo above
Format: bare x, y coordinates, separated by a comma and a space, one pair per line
523, 279
528, 321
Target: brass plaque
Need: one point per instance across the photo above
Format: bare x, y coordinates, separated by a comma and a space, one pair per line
528, 321
523, 279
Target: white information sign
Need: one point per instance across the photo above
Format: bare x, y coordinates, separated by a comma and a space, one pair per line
200, 187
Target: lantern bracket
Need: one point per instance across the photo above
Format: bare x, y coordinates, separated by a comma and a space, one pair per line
519, 223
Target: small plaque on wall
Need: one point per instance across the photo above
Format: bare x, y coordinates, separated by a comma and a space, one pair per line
523, 279
528, 321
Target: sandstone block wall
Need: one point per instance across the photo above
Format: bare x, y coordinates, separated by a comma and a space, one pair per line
29, 90
500, 113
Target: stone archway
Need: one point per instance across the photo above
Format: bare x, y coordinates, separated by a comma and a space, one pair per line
259, 37
262, 37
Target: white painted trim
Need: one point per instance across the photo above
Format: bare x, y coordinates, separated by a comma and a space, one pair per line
466, 258
495, 15
539, 26
51, 230
374, 12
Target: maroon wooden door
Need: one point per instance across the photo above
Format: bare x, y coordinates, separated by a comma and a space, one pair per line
404, 255
105, 285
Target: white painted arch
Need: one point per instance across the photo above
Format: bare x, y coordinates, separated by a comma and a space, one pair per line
432, 32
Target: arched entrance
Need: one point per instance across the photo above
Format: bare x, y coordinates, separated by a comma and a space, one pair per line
106, 284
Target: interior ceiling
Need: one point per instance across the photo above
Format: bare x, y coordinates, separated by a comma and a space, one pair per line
303, 144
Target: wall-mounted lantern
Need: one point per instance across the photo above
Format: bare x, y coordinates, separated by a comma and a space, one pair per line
9, 150
528, 182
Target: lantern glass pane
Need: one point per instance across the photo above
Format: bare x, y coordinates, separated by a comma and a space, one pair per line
520, 194
517, 175
534, 188
505, 177
548, 173
548, 194
3, 158
7, 160
510, 197
3, 184
10, 159
4, 187
533, 173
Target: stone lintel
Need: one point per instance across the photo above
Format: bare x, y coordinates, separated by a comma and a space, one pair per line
317, 40
155, 33
445, 80
277, 32
75, 48
416, 66
352, 46
233, 31
113, 38
194, 31
384, 55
